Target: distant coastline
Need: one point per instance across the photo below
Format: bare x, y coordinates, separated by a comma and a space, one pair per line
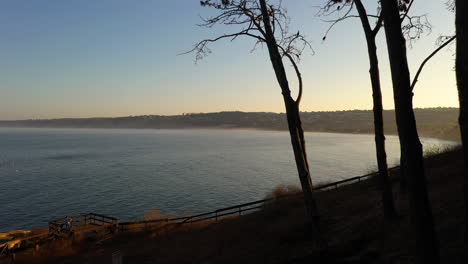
432, 122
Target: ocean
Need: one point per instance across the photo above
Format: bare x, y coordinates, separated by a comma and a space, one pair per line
51, 173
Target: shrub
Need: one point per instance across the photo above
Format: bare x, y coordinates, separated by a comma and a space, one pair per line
154, 214
283, 190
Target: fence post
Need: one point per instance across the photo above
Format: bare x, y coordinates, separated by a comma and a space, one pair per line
240, 212
117, 257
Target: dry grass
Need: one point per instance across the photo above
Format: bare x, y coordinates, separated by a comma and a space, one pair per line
435, 150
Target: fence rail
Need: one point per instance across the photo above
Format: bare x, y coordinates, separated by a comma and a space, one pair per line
99, 220
241, 208
80, 221
216, 215
351, 180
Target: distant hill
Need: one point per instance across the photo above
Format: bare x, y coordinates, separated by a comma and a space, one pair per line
432, 122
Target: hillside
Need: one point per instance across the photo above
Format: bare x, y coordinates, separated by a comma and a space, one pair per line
351, 219
432, 122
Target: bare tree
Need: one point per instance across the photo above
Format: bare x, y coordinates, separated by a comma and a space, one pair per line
412, 26
268, 24
461, 65
412, 163
374, 72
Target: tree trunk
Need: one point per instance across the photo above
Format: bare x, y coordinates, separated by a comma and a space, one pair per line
461, 24
294, 124
412, 163
387, 195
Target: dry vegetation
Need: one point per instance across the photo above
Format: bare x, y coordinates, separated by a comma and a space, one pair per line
351, 219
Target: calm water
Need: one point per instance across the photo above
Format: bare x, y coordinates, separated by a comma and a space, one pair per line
50, 173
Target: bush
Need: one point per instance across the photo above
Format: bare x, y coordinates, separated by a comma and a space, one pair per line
283, 190
154, 214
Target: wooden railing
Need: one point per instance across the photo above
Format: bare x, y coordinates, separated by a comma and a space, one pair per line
213, 215
101, 220
97, 220
335, 185
80, 221
241, 208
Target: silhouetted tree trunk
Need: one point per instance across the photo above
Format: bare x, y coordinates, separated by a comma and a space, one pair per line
461, 24
412, 163
257, 20
387, 196
294, 123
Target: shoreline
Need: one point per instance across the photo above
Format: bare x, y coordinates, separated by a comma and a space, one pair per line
440, 123
220, 128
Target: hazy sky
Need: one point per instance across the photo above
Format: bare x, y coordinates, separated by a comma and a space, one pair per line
86, 58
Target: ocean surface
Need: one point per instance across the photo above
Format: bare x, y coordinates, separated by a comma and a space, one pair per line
50, 173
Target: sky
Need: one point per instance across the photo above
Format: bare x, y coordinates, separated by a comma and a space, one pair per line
108, 58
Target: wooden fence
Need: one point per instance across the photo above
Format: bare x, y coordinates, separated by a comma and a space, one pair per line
335, 185
82, 221
213, 215
241, 208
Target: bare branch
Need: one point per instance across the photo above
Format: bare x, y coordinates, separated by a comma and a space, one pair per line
248, 16
325, 11
450, 5
201, 48
333, 6
415, 80
413, 26
298, 74
378, 25
405, 8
